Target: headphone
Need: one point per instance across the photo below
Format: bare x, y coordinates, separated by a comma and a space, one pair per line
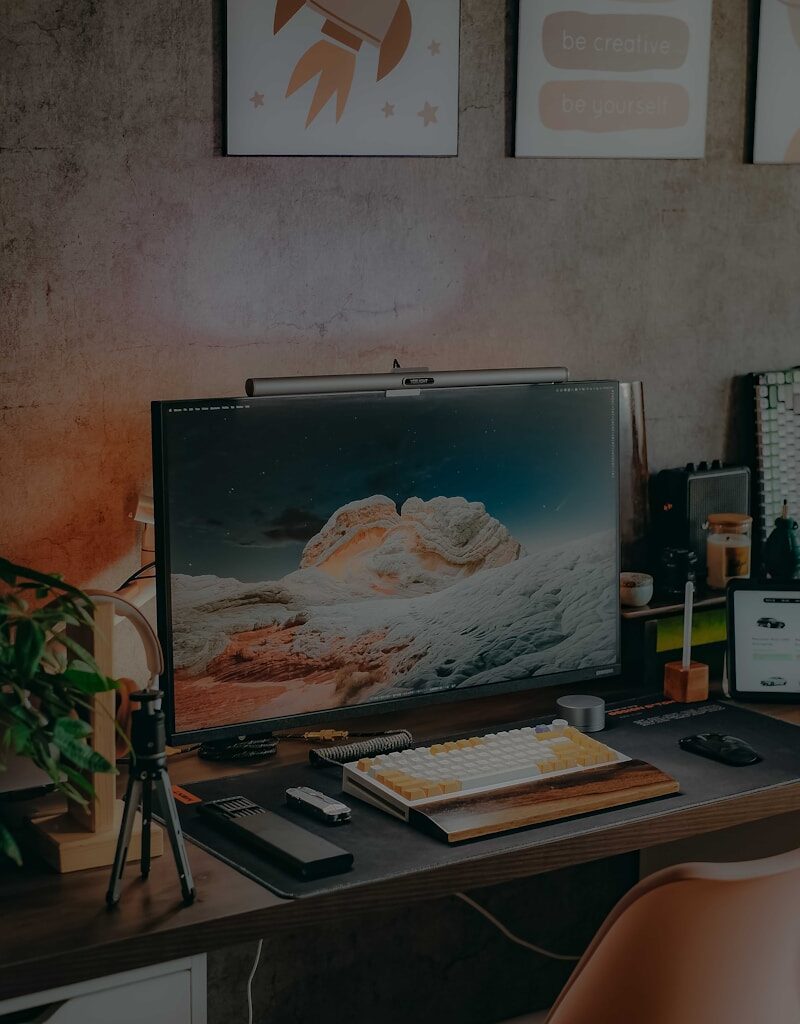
155, 659
126, 610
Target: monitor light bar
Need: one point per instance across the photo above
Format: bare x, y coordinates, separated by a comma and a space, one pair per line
411, 380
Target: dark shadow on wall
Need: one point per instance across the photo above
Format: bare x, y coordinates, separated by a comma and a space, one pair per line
219, 98
512, 43
754, 21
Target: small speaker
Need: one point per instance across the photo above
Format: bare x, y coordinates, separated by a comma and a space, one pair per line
683, 499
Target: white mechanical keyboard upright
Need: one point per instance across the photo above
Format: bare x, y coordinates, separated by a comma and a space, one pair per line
397, 782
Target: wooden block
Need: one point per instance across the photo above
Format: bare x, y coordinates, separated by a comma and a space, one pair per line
68, 847
98, 814
686, 685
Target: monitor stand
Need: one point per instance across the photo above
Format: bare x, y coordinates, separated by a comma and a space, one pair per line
240, 748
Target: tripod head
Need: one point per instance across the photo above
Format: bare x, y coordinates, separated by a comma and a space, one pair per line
148, 729
146, 697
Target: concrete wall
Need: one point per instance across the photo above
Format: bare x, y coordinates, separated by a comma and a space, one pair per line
138, 263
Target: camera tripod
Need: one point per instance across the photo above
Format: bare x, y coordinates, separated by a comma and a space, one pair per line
148, 778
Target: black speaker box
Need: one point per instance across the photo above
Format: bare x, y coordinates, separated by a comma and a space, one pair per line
683, 499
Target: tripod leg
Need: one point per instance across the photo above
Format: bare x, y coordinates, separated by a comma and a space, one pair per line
169, 812
133, 795
147, 820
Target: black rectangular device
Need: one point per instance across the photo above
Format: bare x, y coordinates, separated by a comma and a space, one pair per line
764, 641
296, 849
683, 499
324, 556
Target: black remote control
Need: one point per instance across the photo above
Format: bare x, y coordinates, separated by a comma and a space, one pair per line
294, 848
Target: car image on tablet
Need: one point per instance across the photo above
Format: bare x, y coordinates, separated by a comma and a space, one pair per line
768, 623
774, 681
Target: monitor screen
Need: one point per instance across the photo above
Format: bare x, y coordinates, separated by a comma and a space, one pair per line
325, 554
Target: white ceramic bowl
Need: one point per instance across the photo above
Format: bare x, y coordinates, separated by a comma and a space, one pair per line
635, 589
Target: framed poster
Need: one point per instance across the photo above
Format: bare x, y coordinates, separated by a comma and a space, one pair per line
613, 78
342, 77
777, 139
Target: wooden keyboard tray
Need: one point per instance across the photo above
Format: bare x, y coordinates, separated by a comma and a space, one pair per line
543, 800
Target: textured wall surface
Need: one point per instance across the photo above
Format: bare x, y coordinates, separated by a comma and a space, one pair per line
138, 263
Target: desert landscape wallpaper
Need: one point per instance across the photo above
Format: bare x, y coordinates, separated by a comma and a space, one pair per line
333, 551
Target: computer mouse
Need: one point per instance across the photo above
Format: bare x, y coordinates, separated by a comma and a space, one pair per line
726, 749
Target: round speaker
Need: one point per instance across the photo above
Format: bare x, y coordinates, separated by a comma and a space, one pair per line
585, 713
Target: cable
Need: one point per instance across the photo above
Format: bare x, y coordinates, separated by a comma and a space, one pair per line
383, 743
256, 962
510, 935
134, 576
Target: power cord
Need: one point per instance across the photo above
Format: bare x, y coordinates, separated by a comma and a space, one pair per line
511, 936
256, 962
139, 574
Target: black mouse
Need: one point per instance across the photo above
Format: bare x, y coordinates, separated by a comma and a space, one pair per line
726, 749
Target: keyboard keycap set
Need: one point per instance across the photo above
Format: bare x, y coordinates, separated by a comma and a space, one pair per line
482, 762
483, 785
777, 397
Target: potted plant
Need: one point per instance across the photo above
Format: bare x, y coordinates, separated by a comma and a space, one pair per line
46, 679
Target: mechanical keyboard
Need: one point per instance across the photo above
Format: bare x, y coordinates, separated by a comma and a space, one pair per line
486, 784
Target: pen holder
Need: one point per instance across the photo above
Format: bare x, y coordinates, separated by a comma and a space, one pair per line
686, 685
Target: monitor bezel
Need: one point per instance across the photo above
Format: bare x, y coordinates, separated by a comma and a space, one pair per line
176, 736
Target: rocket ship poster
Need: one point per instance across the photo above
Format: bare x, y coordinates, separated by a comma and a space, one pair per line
342, 77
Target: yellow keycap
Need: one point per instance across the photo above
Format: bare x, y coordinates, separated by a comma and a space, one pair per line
364, 764
451, 786
412, 793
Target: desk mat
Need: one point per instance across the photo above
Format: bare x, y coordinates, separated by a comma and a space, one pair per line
385, 848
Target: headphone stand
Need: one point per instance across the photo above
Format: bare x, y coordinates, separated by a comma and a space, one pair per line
86, 837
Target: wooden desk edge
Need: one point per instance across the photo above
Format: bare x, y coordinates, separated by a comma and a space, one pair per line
184, 939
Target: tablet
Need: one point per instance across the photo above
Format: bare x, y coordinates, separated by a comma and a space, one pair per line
764, 641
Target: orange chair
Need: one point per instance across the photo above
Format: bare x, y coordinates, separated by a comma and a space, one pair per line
695, 944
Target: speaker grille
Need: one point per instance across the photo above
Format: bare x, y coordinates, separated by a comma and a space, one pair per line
707, 493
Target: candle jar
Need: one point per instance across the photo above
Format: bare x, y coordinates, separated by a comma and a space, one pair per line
729, 548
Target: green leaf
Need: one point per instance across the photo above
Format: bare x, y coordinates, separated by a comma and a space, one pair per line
8, 572
79, 779
82, 755
18, 736
69, 736
12, 573
79, 651
70, 729
28, 646
8, 846
87, 681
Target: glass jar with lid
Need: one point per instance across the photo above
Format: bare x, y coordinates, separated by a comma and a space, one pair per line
729, 550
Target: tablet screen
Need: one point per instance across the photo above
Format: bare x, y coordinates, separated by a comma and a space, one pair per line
767, 642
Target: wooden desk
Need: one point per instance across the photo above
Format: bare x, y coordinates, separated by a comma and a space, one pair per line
56, 929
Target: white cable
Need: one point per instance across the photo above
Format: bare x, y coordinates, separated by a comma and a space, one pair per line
510, 935
256, 962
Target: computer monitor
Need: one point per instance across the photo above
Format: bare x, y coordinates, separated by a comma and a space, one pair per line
323, 556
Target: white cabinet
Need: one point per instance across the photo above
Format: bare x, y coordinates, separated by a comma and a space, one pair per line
171, 993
